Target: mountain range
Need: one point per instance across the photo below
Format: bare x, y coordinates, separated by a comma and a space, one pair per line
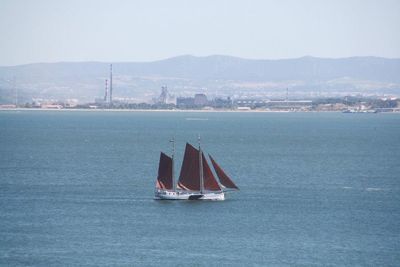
213, 75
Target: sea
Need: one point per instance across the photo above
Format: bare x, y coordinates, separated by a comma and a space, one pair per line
316, 189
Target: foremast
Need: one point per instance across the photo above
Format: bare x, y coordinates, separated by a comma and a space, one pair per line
201, 168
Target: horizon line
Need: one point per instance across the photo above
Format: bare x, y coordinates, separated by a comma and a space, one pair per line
194, 56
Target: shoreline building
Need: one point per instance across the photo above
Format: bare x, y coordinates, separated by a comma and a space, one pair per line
165, 97
275, 104
200, 100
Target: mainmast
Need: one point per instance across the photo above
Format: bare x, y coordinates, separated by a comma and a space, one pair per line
173, 169
201, 168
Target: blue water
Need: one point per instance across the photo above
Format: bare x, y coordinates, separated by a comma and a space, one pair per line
317, 189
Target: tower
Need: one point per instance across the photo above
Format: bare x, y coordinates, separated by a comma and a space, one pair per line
287, 94
111, 88
164, 95
16, 91
105, 92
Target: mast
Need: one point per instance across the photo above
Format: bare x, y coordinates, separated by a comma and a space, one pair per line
201, 168
173, 168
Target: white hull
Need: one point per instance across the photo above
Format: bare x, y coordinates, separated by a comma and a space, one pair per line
182, 195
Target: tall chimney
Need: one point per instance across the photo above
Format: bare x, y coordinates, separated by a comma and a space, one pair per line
111, 76
105, 92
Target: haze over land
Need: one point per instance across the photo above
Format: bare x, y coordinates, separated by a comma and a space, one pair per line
148, 30
213, 75
355, 44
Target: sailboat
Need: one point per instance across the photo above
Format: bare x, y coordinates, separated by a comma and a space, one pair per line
196, 179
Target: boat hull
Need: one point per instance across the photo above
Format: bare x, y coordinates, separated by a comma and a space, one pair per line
180, 195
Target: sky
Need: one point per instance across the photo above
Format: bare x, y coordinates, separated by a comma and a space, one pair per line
148, 30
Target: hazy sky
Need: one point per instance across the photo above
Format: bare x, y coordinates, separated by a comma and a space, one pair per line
113, 30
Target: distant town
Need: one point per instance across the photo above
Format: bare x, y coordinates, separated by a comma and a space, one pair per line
200, 101
190, 95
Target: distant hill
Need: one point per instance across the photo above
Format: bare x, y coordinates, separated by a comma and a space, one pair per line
185, 75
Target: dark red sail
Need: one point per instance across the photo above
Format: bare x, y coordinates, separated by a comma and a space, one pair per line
223, 178
189, 179
208, 177
164, 179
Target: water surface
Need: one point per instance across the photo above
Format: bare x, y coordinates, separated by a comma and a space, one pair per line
76, 188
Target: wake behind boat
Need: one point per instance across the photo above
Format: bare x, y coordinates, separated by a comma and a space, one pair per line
196, 179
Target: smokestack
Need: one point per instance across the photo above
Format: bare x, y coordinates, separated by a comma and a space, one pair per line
105, 93
287, 94
16, 91
111, 75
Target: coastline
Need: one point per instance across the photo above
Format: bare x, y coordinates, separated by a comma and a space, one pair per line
180, 110
166, 110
